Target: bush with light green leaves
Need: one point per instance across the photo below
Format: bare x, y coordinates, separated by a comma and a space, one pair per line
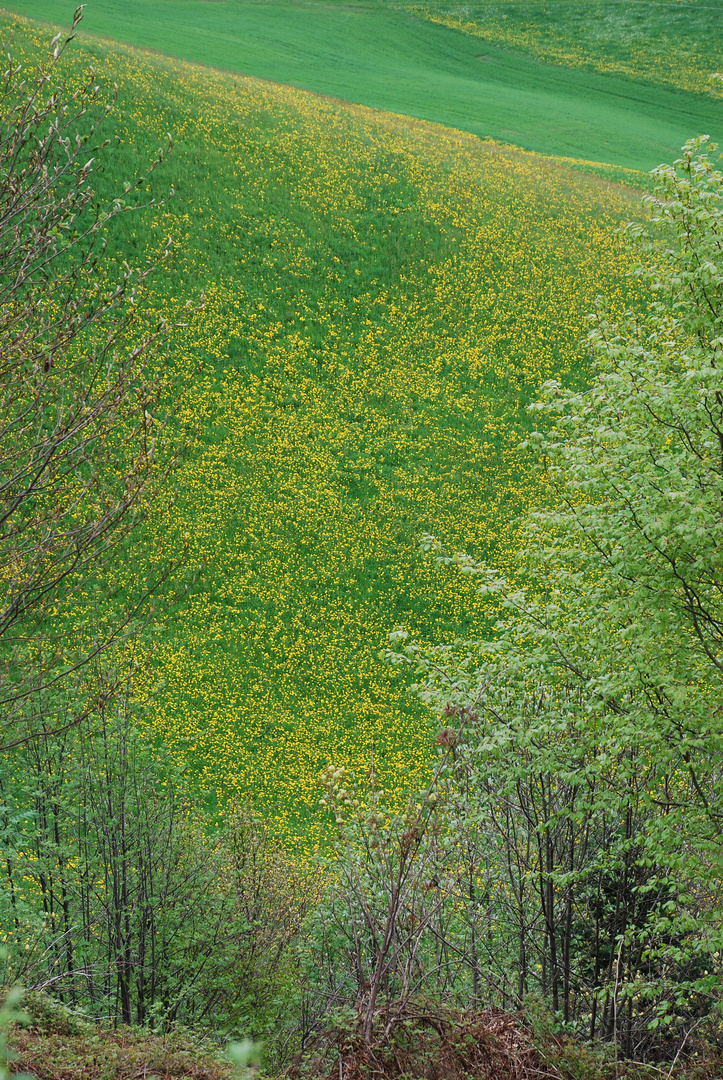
595, 754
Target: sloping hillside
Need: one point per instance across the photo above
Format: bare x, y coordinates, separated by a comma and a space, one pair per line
383, 297
570, 78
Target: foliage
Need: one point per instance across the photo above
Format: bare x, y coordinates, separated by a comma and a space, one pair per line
595, 762
11, 1013
117, 900
386, 907
246, 1056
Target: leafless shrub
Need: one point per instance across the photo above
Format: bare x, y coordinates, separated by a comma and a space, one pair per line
85, 438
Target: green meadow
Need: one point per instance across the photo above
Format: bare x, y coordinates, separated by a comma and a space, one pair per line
396, 58
383, 296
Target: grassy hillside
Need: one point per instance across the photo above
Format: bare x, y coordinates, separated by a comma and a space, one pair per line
383, 298
677, 44
386, 56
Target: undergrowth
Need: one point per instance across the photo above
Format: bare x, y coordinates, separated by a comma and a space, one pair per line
61, 1044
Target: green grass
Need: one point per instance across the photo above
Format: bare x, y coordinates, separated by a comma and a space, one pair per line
378, 55
677, 43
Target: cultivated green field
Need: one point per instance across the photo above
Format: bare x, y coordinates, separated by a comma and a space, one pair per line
677, 43
393, 57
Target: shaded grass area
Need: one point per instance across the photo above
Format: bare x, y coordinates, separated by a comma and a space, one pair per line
383, 298
383, 56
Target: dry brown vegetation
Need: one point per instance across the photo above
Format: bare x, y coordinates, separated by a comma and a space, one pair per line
434, 1045
60, 1045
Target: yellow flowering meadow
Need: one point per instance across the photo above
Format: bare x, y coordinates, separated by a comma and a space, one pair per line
383, 298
